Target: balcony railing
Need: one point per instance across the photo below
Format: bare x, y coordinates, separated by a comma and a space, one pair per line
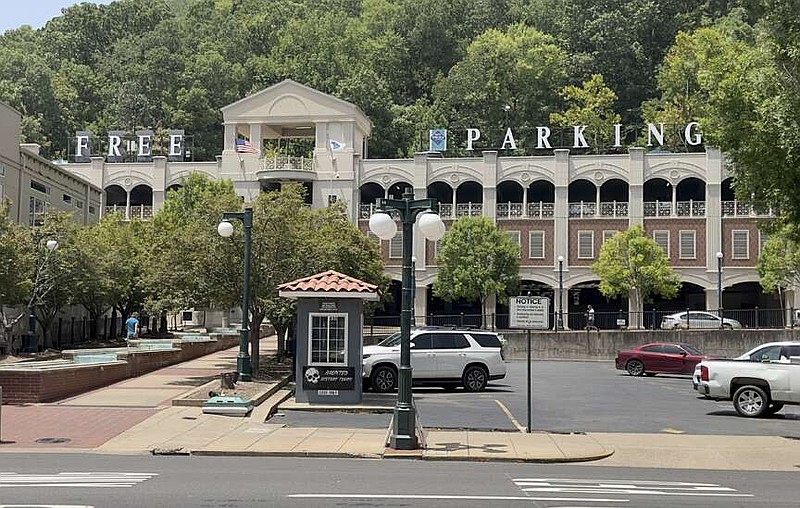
583, 209
613, 209
366, 211
536, 210
144, 212
742, 209
682, 209
287, 163
469, 209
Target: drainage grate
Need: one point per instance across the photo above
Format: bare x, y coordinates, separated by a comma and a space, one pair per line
48, 440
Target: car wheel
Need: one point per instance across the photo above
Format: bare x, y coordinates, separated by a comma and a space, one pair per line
384, 379
774, 408
475, 378
635, 367
750, 401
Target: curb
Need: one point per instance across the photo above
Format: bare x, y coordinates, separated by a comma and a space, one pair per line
305, 454
527, 460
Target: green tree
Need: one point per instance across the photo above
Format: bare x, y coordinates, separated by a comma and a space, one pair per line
591, 104
189, 264
291, 241
16, 270
507, 78
779, 262
632, 264
476, 260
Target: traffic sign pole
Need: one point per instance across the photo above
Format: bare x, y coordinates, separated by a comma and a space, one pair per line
530, 381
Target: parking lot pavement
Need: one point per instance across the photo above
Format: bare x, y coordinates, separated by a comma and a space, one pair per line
594, 397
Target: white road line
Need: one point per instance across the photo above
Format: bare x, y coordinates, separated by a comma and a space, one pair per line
447, 497
45, 506
514, 421
624, 487
74, 479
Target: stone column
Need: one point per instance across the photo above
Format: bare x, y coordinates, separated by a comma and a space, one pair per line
230, 137
420, 303
636, 187
490, 185
714, 168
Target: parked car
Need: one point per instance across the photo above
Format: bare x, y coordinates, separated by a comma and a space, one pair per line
658, 358
770, 351
697, 319
442, 356
756, 388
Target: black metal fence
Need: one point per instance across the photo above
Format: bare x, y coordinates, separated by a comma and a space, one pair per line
653, 319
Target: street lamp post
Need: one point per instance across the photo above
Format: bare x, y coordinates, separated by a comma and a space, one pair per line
414, 290
225, 229
32, 345
404, 435
719, 287
560, 318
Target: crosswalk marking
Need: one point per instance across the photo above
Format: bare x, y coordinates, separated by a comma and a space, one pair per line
74, 479
624, 487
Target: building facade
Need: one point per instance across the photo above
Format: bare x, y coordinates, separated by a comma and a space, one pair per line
560, 206
36, 186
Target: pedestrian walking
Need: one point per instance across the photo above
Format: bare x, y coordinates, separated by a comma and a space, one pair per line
132, 326
590, 318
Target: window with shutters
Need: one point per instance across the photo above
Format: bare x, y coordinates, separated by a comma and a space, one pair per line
516, 238
662, 240
688, 247
536, 244
585, 244
396, 246
740, 239
608, 234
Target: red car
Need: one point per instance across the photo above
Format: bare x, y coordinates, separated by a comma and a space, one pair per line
659, 357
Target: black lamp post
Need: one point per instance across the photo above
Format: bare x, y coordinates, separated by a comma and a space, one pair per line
560, 318
719, 287
32, 345
404, 435
225, 229
413, 290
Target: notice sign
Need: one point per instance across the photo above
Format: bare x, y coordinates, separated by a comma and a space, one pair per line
529, 312
329, 378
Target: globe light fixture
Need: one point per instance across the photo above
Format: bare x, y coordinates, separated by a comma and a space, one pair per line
431, 225
225, 229
382, 225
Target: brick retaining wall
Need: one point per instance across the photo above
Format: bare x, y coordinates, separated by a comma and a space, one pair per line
24, 385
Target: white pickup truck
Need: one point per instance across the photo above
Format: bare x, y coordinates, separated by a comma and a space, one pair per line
756, 388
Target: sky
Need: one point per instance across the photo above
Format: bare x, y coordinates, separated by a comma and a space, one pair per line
36, 13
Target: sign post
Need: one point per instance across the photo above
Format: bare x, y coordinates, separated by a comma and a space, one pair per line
529, 312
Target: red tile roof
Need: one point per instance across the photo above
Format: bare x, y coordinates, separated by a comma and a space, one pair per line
327, 282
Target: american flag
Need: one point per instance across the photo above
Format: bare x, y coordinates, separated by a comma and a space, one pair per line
244, 146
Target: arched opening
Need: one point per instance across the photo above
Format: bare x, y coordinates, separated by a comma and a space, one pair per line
690, 296
272, 186
456, 313
443, 193
727, 192
747, 303
582, 197
397, 189
614, 198
469, 200
175, 187
141, 202
116, 196
541, 199
657, 198
509, 200
606, 310
690, 196
370, 192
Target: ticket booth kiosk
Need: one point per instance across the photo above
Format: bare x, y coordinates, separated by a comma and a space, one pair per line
329, 336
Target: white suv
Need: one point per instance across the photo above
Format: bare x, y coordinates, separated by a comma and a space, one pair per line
440, 356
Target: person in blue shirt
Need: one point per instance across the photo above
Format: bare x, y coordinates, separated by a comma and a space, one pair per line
132, 326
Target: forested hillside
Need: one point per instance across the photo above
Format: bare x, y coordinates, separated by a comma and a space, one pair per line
409, 64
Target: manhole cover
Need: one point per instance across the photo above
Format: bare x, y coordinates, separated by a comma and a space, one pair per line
53, 440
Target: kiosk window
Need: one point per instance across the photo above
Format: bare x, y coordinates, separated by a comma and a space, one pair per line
328, 339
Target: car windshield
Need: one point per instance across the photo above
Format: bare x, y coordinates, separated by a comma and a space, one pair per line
689, 349
391, 341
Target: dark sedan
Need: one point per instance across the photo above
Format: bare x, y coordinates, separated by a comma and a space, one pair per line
659, 358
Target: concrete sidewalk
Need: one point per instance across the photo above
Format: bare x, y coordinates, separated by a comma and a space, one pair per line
137, 416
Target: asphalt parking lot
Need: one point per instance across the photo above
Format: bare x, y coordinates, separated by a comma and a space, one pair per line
594, 397
568, 396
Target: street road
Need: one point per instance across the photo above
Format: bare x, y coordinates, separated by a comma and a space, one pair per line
594, 397
134, 481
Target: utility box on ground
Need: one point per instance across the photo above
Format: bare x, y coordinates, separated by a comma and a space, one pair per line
329, 342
